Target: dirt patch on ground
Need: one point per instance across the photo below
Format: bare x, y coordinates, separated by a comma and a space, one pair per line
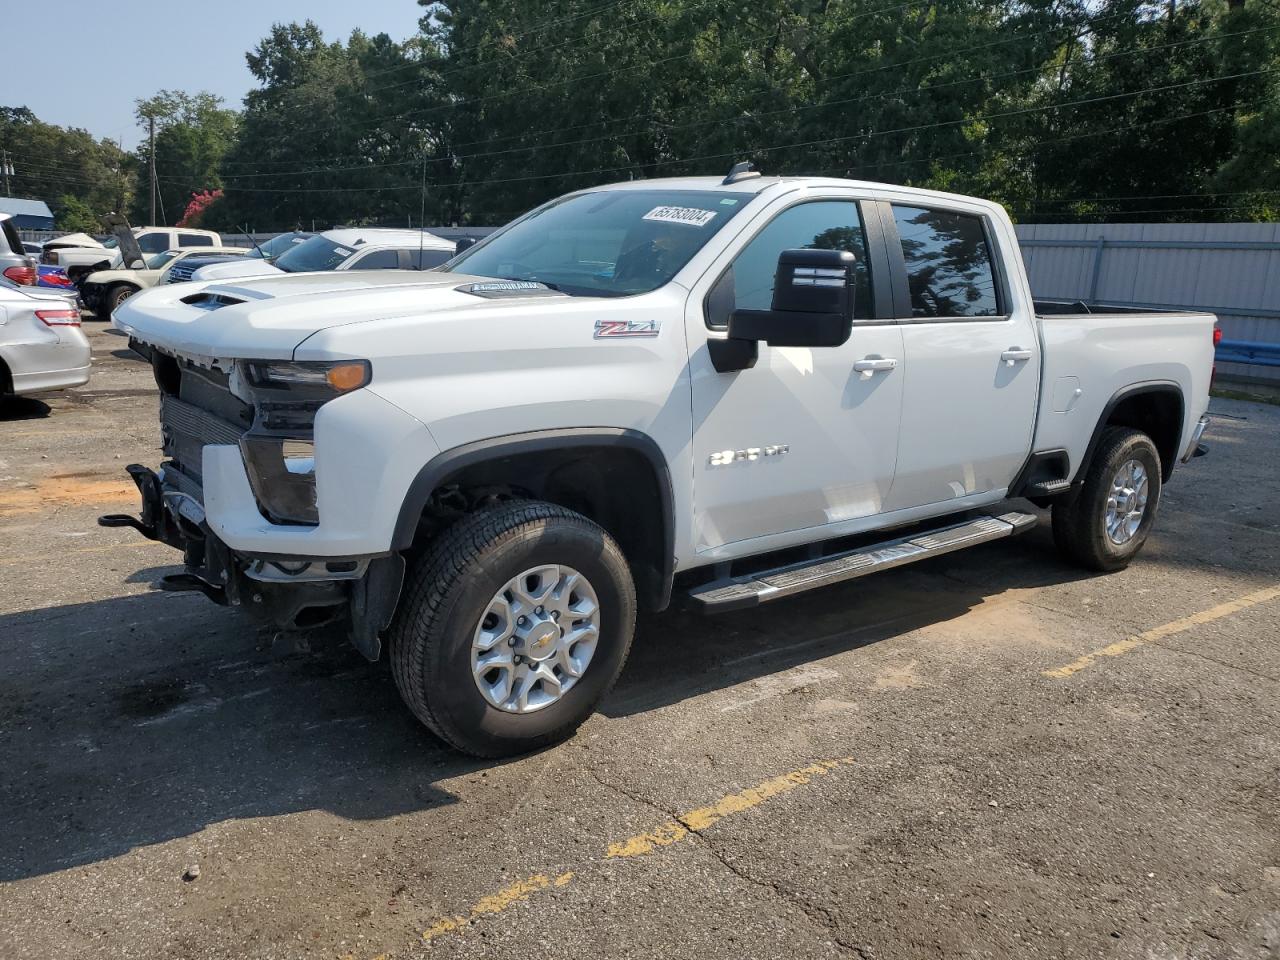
66, 489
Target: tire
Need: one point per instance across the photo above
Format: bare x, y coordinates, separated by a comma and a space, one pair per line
116, 296
451, 593
1080, 523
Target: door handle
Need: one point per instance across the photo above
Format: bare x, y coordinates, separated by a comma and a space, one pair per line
1015, 355
869, 365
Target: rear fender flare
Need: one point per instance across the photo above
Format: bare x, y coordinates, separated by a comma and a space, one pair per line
1168, 387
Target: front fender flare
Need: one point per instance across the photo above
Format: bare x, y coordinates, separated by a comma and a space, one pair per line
450, 462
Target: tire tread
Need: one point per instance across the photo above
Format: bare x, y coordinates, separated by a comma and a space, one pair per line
434, 580
1075, 520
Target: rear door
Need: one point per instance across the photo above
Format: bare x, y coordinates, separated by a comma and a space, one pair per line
972, 356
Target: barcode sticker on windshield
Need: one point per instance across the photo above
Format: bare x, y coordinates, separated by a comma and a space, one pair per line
693, 216
340, 251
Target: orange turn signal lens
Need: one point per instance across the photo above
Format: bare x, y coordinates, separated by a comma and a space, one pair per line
347, 376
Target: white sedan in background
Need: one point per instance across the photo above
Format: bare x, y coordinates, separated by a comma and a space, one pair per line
366, 248
41, 344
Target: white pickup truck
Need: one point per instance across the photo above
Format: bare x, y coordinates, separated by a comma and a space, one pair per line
737, 389
81, 260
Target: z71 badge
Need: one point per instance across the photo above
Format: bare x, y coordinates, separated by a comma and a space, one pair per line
722, 458
627, 328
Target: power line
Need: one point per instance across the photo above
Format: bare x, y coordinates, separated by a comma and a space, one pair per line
525, 90
948, 55
887, 95
809, 143
951, 54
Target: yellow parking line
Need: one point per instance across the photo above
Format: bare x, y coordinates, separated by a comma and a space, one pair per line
1167, 630
683, 826
497, 902
696, 820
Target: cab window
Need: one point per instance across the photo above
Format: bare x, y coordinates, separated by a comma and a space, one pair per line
949, 268
816, 225
153, 242
194, 240
423, 259
377, 260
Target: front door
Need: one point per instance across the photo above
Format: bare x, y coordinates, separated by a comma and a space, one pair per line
808, 436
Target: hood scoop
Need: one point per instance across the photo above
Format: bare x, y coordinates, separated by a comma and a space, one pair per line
502, 289
211, 301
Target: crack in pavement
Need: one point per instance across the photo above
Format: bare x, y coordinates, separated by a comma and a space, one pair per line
815, 913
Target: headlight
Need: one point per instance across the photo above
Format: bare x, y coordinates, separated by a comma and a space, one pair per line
279, 451
310, 377
282, 473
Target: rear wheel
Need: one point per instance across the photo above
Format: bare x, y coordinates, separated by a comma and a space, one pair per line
515, 624
1104, 525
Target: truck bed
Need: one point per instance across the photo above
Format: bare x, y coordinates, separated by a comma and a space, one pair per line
1078, 308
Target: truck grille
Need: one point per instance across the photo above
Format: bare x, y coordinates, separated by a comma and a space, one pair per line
197, 408
180, 273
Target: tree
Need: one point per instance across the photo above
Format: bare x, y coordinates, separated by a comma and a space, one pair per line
193, 134
76, 216
333, 133
81, 178
1059, 108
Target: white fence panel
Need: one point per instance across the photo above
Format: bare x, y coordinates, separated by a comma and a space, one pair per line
1231, 269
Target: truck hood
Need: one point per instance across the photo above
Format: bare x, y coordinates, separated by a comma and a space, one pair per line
237, 269
74, 240
265, 318
136, 277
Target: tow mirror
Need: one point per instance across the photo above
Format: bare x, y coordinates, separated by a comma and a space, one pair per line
812, 302
464, 243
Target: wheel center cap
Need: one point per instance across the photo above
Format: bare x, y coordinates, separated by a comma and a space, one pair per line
540, 641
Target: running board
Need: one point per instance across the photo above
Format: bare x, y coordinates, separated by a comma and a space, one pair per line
738, 593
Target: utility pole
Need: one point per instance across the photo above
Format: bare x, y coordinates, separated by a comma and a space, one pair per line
151, 150
7, 167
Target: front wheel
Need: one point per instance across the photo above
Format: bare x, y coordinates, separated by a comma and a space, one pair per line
1104, 524
515, 624
118, 295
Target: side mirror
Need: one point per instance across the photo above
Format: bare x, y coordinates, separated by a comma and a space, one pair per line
464, 243
812, 302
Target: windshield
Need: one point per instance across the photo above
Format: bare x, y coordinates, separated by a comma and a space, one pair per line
158, 260
111, 242
315, 253
278, 245
611, 243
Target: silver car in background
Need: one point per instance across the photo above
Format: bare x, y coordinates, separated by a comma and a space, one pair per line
41, 344
16, 265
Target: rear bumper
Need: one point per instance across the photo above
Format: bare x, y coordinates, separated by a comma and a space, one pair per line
35, 381
1194, 448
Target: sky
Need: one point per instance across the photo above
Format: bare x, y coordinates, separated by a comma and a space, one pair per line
163, 46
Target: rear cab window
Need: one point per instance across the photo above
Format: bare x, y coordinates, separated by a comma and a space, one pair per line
376, 260
153, 242
949, 263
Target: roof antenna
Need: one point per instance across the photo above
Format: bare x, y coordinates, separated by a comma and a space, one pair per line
422, 223
740, 171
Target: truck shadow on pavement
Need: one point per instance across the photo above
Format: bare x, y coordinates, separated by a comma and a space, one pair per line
136, 720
